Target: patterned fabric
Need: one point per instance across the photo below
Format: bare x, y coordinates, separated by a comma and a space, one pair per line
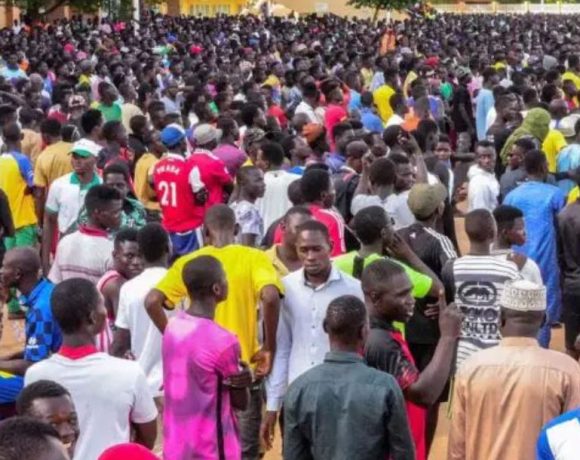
43, 335
132, 216
249, 219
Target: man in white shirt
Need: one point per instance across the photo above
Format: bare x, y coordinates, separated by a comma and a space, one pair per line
135, 333
309, 105
275, 202
301, 341
110, 394
483, 189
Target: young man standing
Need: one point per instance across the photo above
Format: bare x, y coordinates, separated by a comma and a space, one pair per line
66, 196
250, 182
21, 270
252, 281
134, 333
541, 203
87, 252
301, 343
387, 291
110, 394
51, 403
321, 408
514, 388
475, 283
515, 173
511, 231
203, 376
483, 188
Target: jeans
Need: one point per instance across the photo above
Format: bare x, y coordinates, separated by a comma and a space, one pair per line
249, 422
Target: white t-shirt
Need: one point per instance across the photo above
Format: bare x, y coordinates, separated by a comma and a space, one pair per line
482, 190
398, 208
145, 337
275, 202
108, 394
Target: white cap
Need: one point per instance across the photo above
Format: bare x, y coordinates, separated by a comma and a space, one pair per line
523, 295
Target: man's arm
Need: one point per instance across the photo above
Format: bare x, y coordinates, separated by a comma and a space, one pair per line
399, 437
15, 366
121, 342
49, 229
146, 433
154, 307
270, 303
295, 446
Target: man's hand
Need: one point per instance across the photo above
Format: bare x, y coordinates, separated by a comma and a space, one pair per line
263, 361
242, 379
267, 429
450, 318
399, 249
201, 196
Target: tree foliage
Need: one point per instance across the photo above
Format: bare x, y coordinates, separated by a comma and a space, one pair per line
379, 5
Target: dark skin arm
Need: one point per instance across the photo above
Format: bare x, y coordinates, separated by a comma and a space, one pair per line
15, 364
270, 299
49, 228
154, 307
239, 387
111, 294
39, 201
121, 342
146, 433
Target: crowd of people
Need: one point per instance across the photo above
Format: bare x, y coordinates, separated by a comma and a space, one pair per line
221, 230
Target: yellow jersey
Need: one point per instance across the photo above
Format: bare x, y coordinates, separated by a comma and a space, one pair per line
16, 179
553, 143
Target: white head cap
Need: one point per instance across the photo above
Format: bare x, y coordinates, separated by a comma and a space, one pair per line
523, 295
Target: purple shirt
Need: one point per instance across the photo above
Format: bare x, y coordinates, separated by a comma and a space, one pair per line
197, 356
232, 156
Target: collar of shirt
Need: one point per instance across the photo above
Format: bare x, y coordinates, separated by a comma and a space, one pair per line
30, 299
518, 342
342, 357
335, 275
175, 156
74, 179
92, 231
378, 323
77, 352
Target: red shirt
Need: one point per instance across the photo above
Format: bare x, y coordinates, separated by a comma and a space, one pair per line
171, 181
213, 173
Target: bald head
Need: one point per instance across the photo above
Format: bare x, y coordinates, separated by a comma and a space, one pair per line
558, 108
20, 269
356, 149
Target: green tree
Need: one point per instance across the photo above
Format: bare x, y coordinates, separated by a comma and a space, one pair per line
379, 5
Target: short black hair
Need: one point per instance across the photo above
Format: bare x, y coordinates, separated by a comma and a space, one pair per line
314, 226
313, 184
110, 129
244, 173
345, 316
137, 123
248, 113
220, 216
201, 274
295, 193
534, 162
399, 159
126, 234
38, 390
72, 301
227, 125
526, 144
99, 196
12, 133
505, 216
391, 135
396, 100
25, 438
382, 172
479, 225
378, 271
153, 242
273, 153
297, 210
118, 167
90, 120
368, 224
340, 128
367, 99
310, 90
51, 127
485, 144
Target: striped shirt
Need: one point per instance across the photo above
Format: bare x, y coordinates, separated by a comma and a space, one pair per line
475, 284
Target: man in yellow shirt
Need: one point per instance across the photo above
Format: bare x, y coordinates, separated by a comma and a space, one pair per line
573, 72
252, 281
143, 180
382, 95
53, 162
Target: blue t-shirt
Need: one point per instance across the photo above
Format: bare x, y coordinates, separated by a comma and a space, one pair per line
43, 335
483, 104
371, 121
560, 436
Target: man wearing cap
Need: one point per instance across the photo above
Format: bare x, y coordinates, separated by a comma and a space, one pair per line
66, 195
180, 191
514, 388
426, 202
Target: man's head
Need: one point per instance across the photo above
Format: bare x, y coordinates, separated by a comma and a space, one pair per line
480, 226
387, 290
104, 205
107, 93
270, 156
12, 135
78, 307
485, 155
253, 116
30, 439
443, 148
317, 187
342, 133
536, 165
314, 247
219, 224
346, 323
84, 154
523, 308
355, 151
204, 278
154, 244
50, 130
206, 136
250, 179
126, 254
404, 172
51, 403
92, 123
511, 227
292, 220
427, 201
372, 224
173, 138
399, 104
558, 108
382, 174
114, 132
20, 266
518, 152
118, 176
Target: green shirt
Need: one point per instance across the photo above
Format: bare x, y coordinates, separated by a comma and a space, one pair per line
421, 283
132, 216
110, 113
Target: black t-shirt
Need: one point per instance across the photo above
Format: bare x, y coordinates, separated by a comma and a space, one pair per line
569, 229
435, 250
461, 98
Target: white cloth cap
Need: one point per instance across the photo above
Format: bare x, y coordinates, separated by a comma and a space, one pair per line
523, 295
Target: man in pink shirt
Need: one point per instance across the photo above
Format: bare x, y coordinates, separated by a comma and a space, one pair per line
204, 378
318, 193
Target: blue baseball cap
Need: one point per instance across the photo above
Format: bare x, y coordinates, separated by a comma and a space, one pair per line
172, 135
